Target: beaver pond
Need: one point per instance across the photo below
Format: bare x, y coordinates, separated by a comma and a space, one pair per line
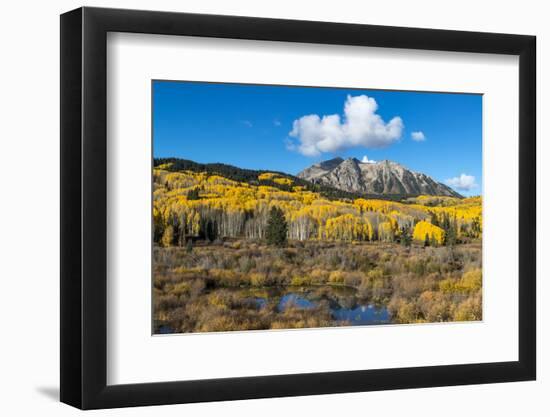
341, 303
242, 285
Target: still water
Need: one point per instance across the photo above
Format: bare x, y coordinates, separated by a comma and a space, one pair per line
343, 303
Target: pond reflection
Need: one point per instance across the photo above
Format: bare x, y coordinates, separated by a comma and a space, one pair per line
336, 306
343, 303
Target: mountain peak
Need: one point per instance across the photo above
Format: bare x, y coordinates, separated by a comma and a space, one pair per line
352, 160
371, 177
329, 163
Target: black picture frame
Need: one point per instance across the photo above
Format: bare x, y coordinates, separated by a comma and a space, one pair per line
84, 207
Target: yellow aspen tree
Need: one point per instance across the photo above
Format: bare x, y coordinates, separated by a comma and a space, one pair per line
424, 228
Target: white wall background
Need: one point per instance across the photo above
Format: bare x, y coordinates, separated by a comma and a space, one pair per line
29, 209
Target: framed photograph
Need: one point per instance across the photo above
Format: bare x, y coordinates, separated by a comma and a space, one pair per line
257, 208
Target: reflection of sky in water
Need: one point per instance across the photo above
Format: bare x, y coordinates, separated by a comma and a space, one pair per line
165, 330
260, 302
366, 314
357, 315
295, 300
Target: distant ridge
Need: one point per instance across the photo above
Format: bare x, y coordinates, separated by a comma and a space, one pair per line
374, 178
251, 176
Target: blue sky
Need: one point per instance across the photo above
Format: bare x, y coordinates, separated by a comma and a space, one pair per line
271, 128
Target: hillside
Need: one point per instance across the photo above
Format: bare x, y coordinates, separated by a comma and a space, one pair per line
205, 204
252, 177
378, 178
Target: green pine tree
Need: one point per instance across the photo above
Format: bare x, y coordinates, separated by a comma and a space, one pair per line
433, 218
276, 227
406, 238
193, 194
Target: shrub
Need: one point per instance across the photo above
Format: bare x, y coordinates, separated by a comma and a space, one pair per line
336, 277
353, 279
257, 279
299, 281
403, 311
434, 306
181, 288
469, 309
471, 280
319, 276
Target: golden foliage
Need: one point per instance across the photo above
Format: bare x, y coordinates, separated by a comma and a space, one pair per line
267, 176
425, 229
229, 208
283, 181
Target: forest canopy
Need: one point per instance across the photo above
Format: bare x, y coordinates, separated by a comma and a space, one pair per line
195, 201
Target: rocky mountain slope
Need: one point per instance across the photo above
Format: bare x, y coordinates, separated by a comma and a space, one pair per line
383, 178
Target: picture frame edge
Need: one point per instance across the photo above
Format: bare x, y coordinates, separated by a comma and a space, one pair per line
83, 319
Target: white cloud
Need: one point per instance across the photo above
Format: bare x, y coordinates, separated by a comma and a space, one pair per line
366, 160
418, 136
463, 182
290, 145
277, 122
361, 126
247, 123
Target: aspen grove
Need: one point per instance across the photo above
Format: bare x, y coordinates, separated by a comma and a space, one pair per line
200, 205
